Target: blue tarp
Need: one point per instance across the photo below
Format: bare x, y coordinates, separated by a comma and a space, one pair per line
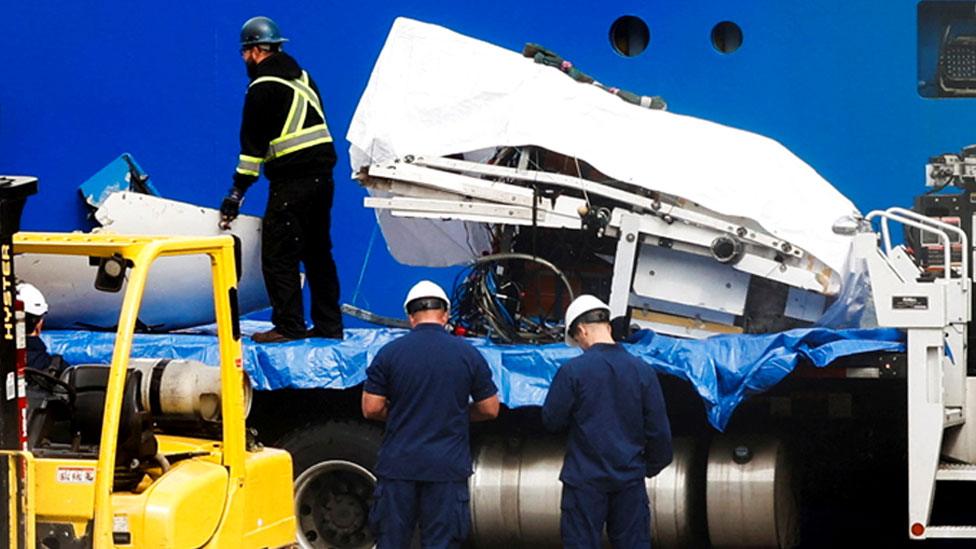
724, 370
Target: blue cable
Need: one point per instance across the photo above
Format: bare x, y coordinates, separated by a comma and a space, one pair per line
362, 271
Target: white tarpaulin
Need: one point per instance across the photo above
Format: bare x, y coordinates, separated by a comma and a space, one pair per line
434, 92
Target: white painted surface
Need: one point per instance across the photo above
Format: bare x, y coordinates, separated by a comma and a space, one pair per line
689, 279
179, 291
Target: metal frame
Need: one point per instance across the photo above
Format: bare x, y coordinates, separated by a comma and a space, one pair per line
664, 205
449, 189
935, 314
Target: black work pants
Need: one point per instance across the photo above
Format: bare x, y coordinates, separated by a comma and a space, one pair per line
296, 230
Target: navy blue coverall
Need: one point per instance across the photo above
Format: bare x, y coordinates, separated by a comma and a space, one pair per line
619, 433
39, 359
427, 377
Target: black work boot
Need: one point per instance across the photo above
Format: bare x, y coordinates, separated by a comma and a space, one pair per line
271, 336
327, 334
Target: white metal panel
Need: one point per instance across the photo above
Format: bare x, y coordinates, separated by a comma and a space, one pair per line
179, 292
690, 279
925, 420
892, 293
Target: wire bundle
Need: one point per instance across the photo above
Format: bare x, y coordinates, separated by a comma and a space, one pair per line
486, 302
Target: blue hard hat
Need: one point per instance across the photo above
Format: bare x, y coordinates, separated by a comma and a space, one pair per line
260, 30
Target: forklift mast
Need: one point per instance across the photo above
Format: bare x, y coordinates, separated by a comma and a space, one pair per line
14, 191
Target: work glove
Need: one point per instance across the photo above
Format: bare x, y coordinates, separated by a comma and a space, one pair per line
230, 208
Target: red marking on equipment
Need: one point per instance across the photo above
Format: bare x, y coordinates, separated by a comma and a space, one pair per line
239, 362
460, 331
918, 529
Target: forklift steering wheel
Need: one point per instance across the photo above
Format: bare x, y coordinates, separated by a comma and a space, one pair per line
50, 383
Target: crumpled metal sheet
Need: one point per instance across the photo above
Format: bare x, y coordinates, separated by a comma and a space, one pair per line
724, 370
67, 281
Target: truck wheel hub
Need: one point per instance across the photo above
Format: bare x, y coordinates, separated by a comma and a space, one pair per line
332, 502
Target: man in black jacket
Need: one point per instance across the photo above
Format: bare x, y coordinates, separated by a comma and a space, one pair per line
284, 129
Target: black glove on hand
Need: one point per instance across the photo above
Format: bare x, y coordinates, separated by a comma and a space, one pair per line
230, 208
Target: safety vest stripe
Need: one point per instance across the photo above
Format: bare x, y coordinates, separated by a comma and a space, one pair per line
312, 143
296, 123
309, 93
315, 102
293, 119
293, 136
298, 87
303, 139
249, 165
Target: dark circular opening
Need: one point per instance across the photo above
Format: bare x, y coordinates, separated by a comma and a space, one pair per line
726, 37
726, 249
629, 35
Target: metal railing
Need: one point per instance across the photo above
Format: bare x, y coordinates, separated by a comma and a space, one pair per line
927, 225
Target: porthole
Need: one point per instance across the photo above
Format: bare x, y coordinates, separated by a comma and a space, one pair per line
629, 35
726, 37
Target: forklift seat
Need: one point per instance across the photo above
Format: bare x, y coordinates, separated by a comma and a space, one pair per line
136, 442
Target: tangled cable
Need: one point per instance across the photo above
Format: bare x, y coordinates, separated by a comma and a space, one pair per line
487, 302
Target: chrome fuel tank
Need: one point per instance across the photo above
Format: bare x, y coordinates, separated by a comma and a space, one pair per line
734, 492
515, 495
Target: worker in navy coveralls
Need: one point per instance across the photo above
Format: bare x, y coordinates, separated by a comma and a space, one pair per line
619, 433
426, 386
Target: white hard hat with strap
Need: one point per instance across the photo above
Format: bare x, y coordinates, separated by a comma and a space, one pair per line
33, 299
580, 306
425, 289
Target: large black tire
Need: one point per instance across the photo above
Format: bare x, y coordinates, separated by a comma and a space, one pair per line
349, 440
333, 464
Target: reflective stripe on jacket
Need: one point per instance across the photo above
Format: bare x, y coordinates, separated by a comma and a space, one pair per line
295, 135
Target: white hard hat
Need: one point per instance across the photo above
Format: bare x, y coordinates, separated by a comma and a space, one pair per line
34, 302
426, 289
579, 307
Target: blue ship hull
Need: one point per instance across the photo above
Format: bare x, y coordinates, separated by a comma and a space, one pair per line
842, 84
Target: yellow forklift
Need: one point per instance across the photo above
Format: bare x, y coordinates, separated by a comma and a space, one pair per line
135, 453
